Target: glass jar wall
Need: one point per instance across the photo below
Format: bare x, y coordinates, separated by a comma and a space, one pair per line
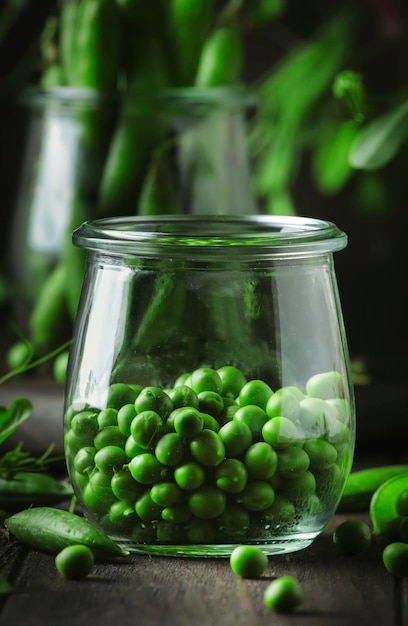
208, 399
88, 156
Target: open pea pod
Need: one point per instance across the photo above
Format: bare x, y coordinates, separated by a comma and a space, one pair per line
361, 486
383, 504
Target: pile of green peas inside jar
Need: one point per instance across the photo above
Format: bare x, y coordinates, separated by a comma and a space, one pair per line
216, 458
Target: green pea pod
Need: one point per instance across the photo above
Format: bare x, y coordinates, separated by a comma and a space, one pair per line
27, 489
158, 195
96, 45
261, 12
383, 504
68, 27
221, 59
188, 24
49, 314
51, 530
361, 485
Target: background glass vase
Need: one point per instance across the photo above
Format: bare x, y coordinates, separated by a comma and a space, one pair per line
173, 151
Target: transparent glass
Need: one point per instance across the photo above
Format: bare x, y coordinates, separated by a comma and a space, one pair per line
208, 399
88, 156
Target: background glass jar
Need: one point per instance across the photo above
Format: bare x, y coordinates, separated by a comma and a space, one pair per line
208, 399
87, 155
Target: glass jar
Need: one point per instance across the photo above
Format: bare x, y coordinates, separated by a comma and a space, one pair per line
89, 156
208, 399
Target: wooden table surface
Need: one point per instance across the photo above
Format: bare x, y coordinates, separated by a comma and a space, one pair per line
147, 590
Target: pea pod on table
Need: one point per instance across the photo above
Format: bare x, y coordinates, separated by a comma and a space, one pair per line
51, 530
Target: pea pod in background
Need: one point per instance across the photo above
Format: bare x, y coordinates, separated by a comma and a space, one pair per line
27, 489
93, 64
222, 58
188, 25
137, 132
68, 27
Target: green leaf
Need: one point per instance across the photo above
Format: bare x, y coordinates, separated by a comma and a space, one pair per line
331, 157
378, 142
19, 410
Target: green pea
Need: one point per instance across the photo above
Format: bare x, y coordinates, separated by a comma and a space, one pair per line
253, 416
108, 417
189, 476
281, 511
85, 425
314, 415
284, 402
97, 495
124, 486
248, 561
341, 409
210, 402
300, 487
292, 461
280, 432
321, 453
183, 396
154, 399
146, 509
236, 436
207, 502
169, 532
258, 495
229, 410
210, 423
126, 415
284, 594
255, 392
200, 531
234, 520
207, 448
395, 559
170, 449
109, 435
177, 513
75, 562
232, 380
110, 459
132, 448
352, 536
84, 460
145, 468
146, 428
181, 380
118, 395
261, 460
187, 421
326, 385
205, 379
165, 493
122, 515
231, 476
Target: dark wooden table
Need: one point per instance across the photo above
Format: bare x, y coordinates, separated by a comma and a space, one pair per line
147, 590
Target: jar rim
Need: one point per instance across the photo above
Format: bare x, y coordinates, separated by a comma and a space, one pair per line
210, 237
65, 96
